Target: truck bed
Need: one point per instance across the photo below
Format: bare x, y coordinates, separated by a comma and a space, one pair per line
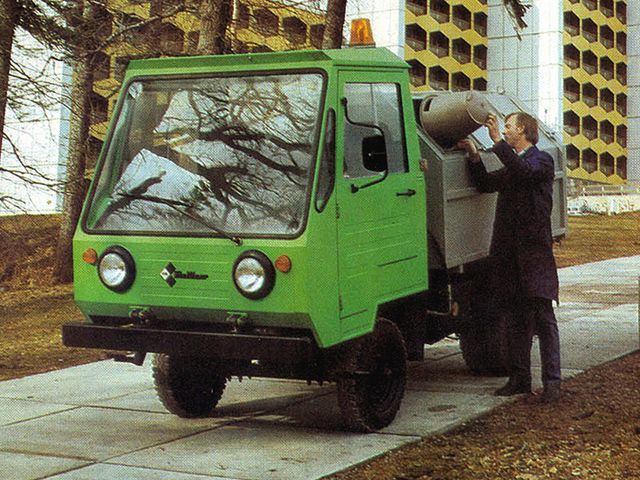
459, 218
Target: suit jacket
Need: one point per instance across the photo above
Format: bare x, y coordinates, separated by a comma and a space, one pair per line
522, 244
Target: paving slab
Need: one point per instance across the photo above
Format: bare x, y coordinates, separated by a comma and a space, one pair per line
14, 410
248, 450
422, 413
602, 337
240, 399
567, 311
114, 472
97, 433
22, 466
79, 385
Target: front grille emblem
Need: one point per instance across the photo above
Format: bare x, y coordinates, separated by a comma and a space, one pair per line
170, 274
167, 274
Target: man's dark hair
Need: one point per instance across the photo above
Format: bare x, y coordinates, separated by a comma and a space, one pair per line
528, 123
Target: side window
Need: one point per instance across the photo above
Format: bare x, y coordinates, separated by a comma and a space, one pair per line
327, 171
374, 130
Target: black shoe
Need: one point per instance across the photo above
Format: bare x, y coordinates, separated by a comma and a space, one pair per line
513, 388
551, 393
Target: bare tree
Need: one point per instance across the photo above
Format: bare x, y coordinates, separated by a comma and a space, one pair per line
74, 191
516, 10
91, 34
9, 19
30, 101
215, 17
29, 16
336, 10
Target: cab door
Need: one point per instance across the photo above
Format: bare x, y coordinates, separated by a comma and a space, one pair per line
380, 196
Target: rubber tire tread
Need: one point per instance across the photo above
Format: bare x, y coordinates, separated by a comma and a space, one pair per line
187, 386
358, 413
484, 346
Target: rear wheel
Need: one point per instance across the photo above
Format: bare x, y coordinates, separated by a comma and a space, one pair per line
189, 387
484, 342
372, 384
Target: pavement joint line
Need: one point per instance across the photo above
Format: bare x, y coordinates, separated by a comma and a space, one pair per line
44, 415
370, 459
124, 409
62, 472
47, 455
117, 397
328, 429
34, 400
70, 404
69, 470
224, 423
160, 469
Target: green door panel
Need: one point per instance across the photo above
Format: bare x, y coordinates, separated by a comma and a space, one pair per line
381, 227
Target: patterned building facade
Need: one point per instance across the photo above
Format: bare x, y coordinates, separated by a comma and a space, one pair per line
595, 89
447, 47
446, 43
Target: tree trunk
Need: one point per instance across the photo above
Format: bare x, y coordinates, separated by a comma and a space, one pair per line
332, 37
9, 18
74, 192
215, 16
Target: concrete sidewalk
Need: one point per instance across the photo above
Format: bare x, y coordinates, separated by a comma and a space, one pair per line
102, 421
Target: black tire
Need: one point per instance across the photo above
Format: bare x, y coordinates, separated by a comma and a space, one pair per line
187, 386
373, 382
484, 342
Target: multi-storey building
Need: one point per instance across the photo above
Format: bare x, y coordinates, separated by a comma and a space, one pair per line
569, 65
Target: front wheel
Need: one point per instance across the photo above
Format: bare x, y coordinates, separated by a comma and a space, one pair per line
372, 384
189, 387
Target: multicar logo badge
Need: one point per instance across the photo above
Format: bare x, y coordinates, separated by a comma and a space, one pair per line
170, 274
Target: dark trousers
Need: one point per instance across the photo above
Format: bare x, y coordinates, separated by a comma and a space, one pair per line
527, 316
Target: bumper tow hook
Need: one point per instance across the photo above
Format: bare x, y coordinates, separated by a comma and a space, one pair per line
137, 358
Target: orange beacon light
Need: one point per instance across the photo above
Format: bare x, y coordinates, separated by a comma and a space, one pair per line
361, 33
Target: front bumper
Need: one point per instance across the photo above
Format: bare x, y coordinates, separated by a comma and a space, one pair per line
224, 346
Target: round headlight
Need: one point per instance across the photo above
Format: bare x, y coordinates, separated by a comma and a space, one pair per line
250, 275
116, 269
254, 275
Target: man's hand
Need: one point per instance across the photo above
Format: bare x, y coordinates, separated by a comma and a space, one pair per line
494, 129
469, 146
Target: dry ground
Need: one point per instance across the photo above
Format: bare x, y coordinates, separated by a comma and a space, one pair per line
598, 237
594, 433
32, 309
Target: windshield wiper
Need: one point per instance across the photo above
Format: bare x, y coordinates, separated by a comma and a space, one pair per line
174, 204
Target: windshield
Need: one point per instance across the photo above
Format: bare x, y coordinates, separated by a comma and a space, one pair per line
221, 156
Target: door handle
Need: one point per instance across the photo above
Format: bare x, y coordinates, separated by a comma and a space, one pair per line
409, 193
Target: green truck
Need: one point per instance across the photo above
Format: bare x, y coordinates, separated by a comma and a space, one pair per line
266, 215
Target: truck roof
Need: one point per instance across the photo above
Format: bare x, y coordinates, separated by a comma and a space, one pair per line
347, 57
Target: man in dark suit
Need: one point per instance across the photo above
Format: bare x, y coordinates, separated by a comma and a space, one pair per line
524, 275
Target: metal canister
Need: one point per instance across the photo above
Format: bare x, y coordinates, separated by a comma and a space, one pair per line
450, 116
